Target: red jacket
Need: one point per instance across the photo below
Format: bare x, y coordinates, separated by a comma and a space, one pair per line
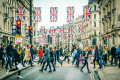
40, 53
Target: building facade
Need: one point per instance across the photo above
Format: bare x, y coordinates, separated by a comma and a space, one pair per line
8, 15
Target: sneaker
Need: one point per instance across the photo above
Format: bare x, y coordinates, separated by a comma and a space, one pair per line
54, 70
7, 71
49, 71
81, 70
45, 69
19, 77
41, 70
89, 71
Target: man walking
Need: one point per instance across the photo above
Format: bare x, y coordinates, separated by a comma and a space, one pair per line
46, 59
113, 55
78, 55
10, 52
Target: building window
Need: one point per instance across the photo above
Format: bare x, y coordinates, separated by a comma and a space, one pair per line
94, 16
94, 32
95, 8
94, 24
34, 32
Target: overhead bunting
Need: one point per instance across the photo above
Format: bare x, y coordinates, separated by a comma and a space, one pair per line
61, 30
70, 14
52, 30
53, 14
21, 14
42, 30
71, 30
86, 13
81, 29
37, 14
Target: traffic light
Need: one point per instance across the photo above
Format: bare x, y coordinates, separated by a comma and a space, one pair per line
30, 30
14, 29
27, 33
18, 27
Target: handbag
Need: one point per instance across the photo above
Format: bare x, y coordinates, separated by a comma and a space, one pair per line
83, 58
19, 66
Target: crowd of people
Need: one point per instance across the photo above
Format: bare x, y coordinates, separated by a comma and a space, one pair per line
48, 55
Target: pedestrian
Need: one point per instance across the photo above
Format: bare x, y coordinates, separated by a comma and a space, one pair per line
58, 55
40, 55
61, 51
46, 59
118, 54
105, 54
66, 53
51, 59
2, 54
85, 54
113, 55
10, 53
79, 52
74, 55
17, 61
34, 53
96, 56
22, 54
100, 49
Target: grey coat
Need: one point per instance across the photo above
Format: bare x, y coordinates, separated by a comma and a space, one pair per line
46, 55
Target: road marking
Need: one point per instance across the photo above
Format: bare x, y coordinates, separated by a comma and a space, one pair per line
92, 75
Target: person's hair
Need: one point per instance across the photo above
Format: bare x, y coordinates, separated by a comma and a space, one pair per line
66, 46
16, 46
50, 48
96, 47
46, 45
2, 44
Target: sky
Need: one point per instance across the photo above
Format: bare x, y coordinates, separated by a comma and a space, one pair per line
62, 11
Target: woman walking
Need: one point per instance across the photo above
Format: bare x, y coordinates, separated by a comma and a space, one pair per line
85, 54
17, 61
105, 54
40, 55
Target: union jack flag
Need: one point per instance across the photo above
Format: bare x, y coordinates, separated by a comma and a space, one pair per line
21, 14
53, 14
70, 14
81, 29
86, 13
44, 36
64, 36
71, 30
45, 40
62, 30
37, 14
52, 30
42, 30
40, 40
56, 39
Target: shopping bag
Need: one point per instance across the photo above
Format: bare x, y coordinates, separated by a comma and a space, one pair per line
19, 66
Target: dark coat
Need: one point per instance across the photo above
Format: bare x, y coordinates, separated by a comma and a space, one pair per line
96, 55
1, 51
101, 51
16, 56
78, 52
31, 51
46, 55
51, 55
57, 53
10, 50
113, 51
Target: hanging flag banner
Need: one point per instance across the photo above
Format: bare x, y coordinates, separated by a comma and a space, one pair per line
53, 14
21, 14
56, 38
52, 31
61, 30
42, 30
64, 36
81, 29
19, 38
37, 14
86, 13
71, 37
71, 30
70, 14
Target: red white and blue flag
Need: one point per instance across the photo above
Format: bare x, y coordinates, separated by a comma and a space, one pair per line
71, 30
40, 40
70, 14
56, 39
86, 13
44, 36
81, 29
42, 30
52, 30
53, 14
64, 36
37, 14
21, 14
61, 30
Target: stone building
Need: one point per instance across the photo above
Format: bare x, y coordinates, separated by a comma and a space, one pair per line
8, 16
109, 22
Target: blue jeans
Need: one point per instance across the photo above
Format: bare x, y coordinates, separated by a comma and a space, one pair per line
74, 58
114, 61
34, 56
9, 61
101, 62
4, 59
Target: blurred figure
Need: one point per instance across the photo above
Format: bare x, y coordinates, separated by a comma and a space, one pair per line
118, 54
105, 54
40, 55
74, 55
34, 53
113, 55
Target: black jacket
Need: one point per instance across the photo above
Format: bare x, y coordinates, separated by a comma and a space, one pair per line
1, 51
16, 56
96, 55
10, 50
31, 51
113, 50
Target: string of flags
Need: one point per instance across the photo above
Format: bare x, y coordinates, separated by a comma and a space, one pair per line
54, 13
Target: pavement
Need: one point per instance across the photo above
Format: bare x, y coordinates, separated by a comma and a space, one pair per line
65, 72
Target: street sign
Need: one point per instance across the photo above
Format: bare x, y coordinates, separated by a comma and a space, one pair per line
19, 39
106, 36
